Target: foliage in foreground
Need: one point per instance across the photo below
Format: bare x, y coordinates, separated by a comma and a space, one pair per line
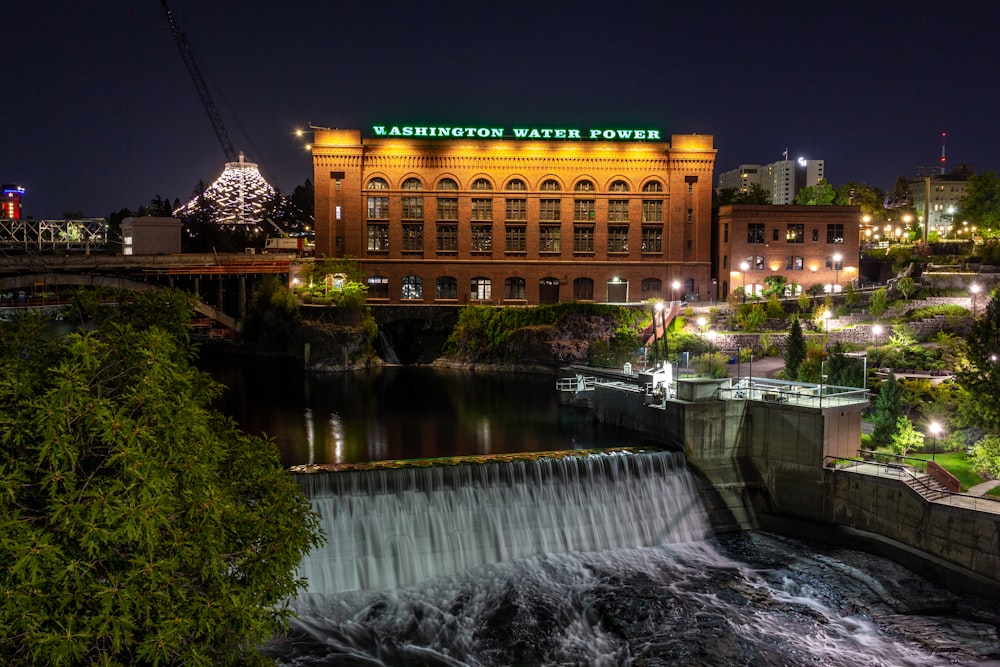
137, 527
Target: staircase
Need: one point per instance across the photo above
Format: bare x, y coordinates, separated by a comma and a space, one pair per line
927, 487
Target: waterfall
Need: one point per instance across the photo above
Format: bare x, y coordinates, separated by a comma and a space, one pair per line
386, 529
388, 351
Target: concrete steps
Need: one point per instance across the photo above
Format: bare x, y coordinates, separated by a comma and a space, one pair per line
927, 487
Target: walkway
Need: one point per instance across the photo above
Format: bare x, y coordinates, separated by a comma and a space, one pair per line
981, 489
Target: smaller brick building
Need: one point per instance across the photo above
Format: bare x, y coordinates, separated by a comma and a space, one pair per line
808, 245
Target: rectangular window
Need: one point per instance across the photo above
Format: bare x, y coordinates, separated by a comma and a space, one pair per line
482, 210
774, 234
517, 209
378, 208
618, 240
516, 238
482, 238
835, 233
413, 238
378, 237
795, 233
447, 208
725, 233
413, 208
755, 232
583, 239
652, 239
652, 210
815, 235
548, 238
690, 215
618, 210
793, 263
447, 238
584, 210
548, 210
833, 264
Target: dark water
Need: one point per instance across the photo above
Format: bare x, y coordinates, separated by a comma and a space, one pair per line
399, 412
607, 562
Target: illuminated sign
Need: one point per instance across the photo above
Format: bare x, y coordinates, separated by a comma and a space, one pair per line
438, 132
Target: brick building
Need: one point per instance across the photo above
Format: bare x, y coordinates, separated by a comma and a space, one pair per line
801, 243
517, 216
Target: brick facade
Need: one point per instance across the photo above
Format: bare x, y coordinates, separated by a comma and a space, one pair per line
797, 242
517, 221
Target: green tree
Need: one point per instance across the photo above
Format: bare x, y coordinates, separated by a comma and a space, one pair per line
795, 350
751, 316
878, 302
981, 201
906, 285
906, 438
887, 410
137, 526
985, 455
981, 377
870, 199
755, 194
843, 370
821, 194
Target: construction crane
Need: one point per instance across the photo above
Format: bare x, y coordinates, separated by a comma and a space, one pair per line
199, 84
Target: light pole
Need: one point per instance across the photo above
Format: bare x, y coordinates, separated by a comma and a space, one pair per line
837, 257
877, 332
826, 320
744, 267
934, 428
974, 288
656, 309
674, 286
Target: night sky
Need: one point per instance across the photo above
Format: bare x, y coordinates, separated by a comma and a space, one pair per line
100, 112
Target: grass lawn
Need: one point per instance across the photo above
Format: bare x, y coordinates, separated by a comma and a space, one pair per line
958, 465
995, 492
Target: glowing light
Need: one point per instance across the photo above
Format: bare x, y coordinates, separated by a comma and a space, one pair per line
237, 197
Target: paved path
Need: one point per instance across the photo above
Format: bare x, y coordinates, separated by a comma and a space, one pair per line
981, 489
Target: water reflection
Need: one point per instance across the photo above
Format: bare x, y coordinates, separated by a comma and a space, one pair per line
399, 412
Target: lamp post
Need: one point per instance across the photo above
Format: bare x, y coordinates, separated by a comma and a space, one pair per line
974, 288
744, 267
674, 286
826, 320
877, 332
657, 308
837, 257
934, 428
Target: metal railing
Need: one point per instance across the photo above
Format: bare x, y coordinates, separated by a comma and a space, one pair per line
799, 393
904, 473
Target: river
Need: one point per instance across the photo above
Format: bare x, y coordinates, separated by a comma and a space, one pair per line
598, 560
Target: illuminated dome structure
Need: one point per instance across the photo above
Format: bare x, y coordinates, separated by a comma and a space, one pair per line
237, 197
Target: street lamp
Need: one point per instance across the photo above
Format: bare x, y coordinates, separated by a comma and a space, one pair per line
826, 320
674, 286
877, 332
836, 271
744, 267
974, 288
657, 308
934, 428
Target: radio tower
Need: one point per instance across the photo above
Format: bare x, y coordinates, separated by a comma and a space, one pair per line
942, 153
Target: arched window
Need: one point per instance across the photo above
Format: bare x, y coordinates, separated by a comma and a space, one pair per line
513, 288
481, 289
378, 184
618, 186
516, 184
550, 185
482, 184
413, 287
584, 186
446, 287
413, 184
651, 288
378, 287
653, 186
447, 184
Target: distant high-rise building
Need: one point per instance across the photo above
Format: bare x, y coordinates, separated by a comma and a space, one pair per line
936, 196
783, 179
10, 207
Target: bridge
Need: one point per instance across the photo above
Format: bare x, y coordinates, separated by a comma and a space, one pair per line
219, 281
